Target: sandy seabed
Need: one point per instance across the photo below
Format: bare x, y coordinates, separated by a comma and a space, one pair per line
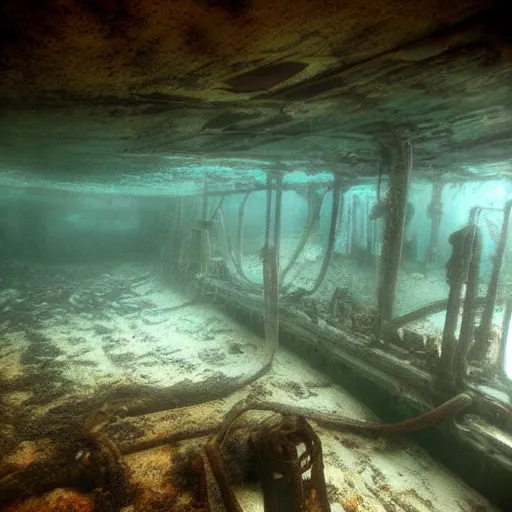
67, 334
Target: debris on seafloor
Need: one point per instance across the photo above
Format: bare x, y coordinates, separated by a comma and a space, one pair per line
77, 454
149, 463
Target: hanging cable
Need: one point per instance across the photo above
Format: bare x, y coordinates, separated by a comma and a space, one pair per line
336, 195
314, 214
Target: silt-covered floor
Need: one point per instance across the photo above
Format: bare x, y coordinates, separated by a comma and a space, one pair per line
74, 339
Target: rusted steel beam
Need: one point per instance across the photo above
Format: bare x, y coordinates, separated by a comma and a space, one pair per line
456, 275
399, 176
467, 329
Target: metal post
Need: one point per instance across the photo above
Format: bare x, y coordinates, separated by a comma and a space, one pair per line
369, 232
456, 275
240, 238
350, 228
435, 211
205, 199
399, 176
270, 264
507, 318
467, 329
277, 218
483, 333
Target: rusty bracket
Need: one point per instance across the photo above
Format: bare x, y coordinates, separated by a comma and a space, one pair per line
290, 464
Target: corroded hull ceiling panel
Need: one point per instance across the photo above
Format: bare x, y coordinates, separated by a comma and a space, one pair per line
101, 88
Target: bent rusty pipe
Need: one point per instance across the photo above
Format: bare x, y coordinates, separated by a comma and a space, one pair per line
418, 314
475, 211
391, 254
447, 410
277, 218
227, 249
213, 457
336, 196
457, 272
205, 199
305, 237
271, 265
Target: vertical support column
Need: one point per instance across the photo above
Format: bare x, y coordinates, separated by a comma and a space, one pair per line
349, 229
467, 329
483, 333
399, 176
337, 205
507, 318
278, 178
270, 255
204, 213
239, 253
201, 246
456, 275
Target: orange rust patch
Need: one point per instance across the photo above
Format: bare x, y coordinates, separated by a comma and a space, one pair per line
59, 500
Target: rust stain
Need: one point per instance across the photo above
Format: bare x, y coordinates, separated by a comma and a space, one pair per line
59, 500
116, 47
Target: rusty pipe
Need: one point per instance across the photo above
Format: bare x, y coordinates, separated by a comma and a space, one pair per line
484, 329
467, 329
457, 274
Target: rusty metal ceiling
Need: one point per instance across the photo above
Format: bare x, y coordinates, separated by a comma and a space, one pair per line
103, 87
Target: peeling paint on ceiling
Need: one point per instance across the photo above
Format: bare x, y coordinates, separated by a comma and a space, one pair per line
102, 90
